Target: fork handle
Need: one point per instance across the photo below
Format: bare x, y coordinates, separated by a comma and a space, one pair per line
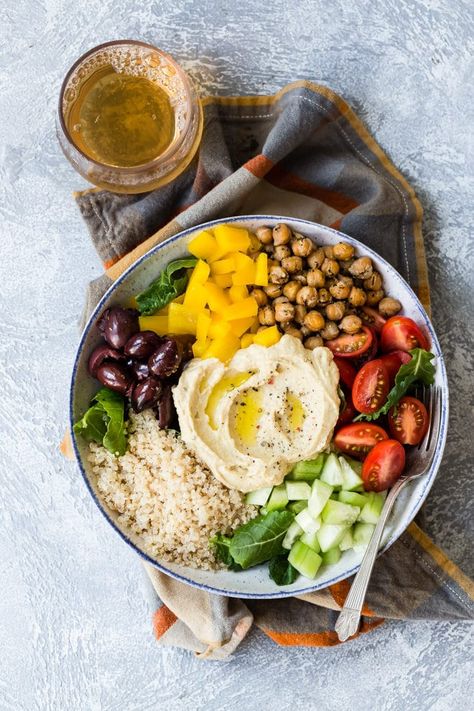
348, 621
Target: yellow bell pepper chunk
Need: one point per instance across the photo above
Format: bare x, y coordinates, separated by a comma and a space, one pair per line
157, 323
217, 299
261, 270
255, 243
267, 337
241, 260
223, 266
195, 298
232, 238
246, 340
241, 325
202, 325
238, 293
245, 275
204, 245
200, 274
218, 327
222, 280
241, 309
199, 347
223, 348
181, 320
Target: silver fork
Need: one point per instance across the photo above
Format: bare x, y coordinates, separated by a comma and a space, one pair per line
418, 462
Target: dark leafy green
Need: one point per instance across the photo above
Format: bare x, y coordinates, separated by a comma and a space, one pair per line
171, 283
419, 369
281, 571
221, 545
104, 421
260, 540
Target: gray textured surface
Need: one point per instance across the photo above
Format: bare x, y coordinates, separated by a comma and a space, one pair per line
74, 622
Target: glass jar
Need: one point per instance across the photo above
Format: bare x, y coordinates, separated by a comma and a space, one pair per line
133, 58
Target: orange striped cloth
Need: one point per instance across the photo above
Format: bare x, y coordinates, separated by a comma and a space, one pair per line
303, 153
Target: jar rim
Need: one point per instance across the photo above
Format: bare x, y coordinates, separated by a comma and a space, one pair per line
170, 151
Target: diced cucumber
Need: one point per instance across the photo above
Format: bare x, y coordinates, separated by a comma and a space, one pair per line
353, 498
320, 493
332, 472
362, 534
258, 497
348, 541
350, 478
331, 556
307, 471
311, 540
307, 522
278, 498
297, 506
293, 532
304, 559
371, 511
337, 512
330, 535
297, 490
354, 464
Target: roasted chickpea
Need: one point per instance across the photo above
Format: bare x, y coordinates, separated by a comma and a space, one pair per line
281, 234
290, 289
314, 321
329, 251
330, 267
330, 331
277, 275
335, 311
307, 296
389, 306
293, 331
357, 297
265, 235
266, 316
341, 287
346, 265
292, 264
281, 252
260, 297
362, 268
302, 246
373, 297
351, 324
301, 279
280, 300
284, 312
272, 263
315, 277
343, 250
300, 313
374, 282
305, 331
324, 297
316, 258
313, 342
273, 291
254, 254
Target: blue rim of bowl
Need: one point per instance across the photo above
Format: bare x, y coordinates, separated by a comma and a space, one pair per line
428, 478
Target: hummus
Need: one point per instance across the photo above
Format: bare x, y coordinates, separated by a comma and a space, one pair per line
249, 421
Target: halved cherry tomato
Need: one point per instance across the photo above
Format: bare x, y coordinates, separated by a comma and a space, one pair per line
402, 333
393, 361
408, 420
371, 386
348, 413
371, 317
383, 466
351, 345
347, 371
359, 438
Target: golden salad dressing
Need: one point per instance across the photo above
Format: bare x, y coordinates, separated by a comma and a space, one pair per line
120, 119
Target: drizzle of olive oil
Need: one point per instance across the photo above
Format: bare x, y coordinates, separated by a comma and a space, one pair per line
248, 413
224, 386
295, 410
120, 119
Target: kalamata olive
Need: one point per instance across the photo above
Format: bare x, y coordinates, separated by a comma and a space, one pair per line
142, 344
117, 325
146, 394
166, 410
139, 369
166, 359
99, 355
115, 376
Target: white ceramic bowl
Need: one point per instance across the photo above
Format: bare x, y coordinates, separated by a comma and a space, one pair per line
255, 582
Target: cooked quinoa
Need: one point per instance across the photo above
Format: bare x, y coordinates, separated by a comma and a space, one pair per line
166, 496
